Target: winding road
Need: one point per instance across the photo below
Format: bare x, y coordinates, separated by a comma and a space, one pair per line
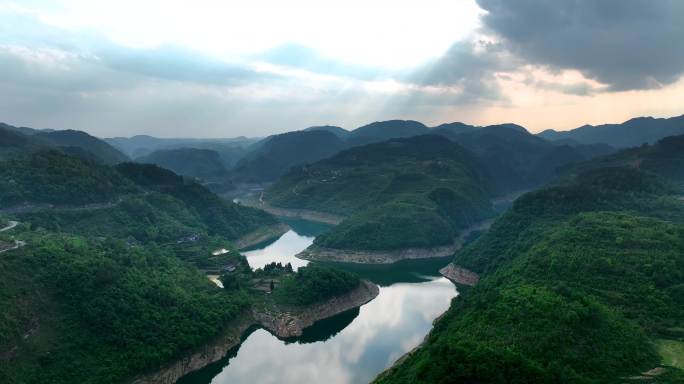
11, 225
17, 243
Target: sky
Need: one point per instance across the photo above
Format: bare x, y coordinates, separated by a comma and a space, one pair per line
210, 68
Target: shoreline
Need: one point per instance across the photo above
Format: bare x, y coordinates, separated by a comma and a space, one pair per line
318, 253
261, 235
304, 214
459, 275
281, 323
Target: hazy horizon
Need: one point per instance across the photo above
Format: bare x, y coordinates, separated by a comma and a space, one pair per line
256, 68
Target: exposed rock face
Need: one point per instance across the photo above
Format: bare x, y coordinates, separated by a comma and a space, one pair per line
304, 214
261, 235
209, 353
291, 324
459, 275
282, 324
317, 253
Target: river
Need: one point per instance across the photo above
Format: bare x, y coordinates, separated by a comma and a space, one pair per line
352, 347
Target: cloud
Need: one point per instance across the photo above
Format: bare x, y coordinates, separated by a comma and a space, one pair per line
626, 44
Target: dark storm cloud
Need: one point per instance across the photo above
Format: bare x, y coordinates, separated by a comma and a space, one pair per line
627, 44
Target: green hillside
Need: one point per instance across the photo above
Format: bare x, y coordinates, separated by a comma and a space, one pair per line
70, 138
136, 202
275, 155
200, 163
52, 177
579, 281
385, 130
101, 293
22, 141
401, 193
637, 131
516, 159
665, 158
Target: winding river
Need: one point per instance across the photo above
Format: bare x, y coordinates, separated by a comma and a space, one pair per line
352, 347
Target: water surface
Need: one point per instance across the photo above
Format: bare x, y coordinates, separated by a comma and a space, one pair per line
352, 347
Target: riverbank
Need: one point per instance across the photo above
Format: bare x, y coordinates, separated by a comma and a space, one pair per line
287, 323
303, 214
317, 253
283, 323
459, 275
261, 235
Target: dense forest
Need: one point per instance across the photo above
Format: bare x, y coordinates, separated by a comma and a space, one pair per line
100, 293
401, 193
582, 282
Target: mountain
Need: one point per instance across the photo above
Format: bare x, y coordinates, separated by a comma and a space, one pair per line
108, 287
53, 177
90, 144
199, 163
665, 158
141, 145
634, 132
580, 282
276, 154
339, 132
515, 158
385, 130
413, 192
20, 141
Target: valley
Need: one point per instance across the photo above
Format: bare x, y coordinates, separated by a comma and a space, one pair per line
145, 275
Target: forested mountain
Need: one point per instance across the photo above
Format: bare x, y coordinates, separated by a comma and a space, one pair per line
665, 158
275, 155
199, 163
18, 141
514, 157
53, 177
418, 191
339, 132
634, 132
71, 138
385, 130
141, 145
581, 282
144, 202
101, 293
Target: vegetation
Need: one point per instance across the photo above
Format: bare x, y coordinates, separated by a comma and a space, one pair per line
665, 158
52, 177
95, 147
578, 281
78, 310
21, 141
313, 284
275, 155
631, 133
516, 159
385, 130
203, 164
401, 193
102, 293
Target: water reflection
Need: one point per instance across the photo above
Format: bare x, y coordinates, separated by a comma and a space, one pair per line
283, 249
352, 347
386, 328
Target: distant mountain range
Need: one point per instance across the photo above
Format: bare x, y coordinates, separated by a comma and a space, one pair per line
193, 162
510, 152
633, 132
22, 140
